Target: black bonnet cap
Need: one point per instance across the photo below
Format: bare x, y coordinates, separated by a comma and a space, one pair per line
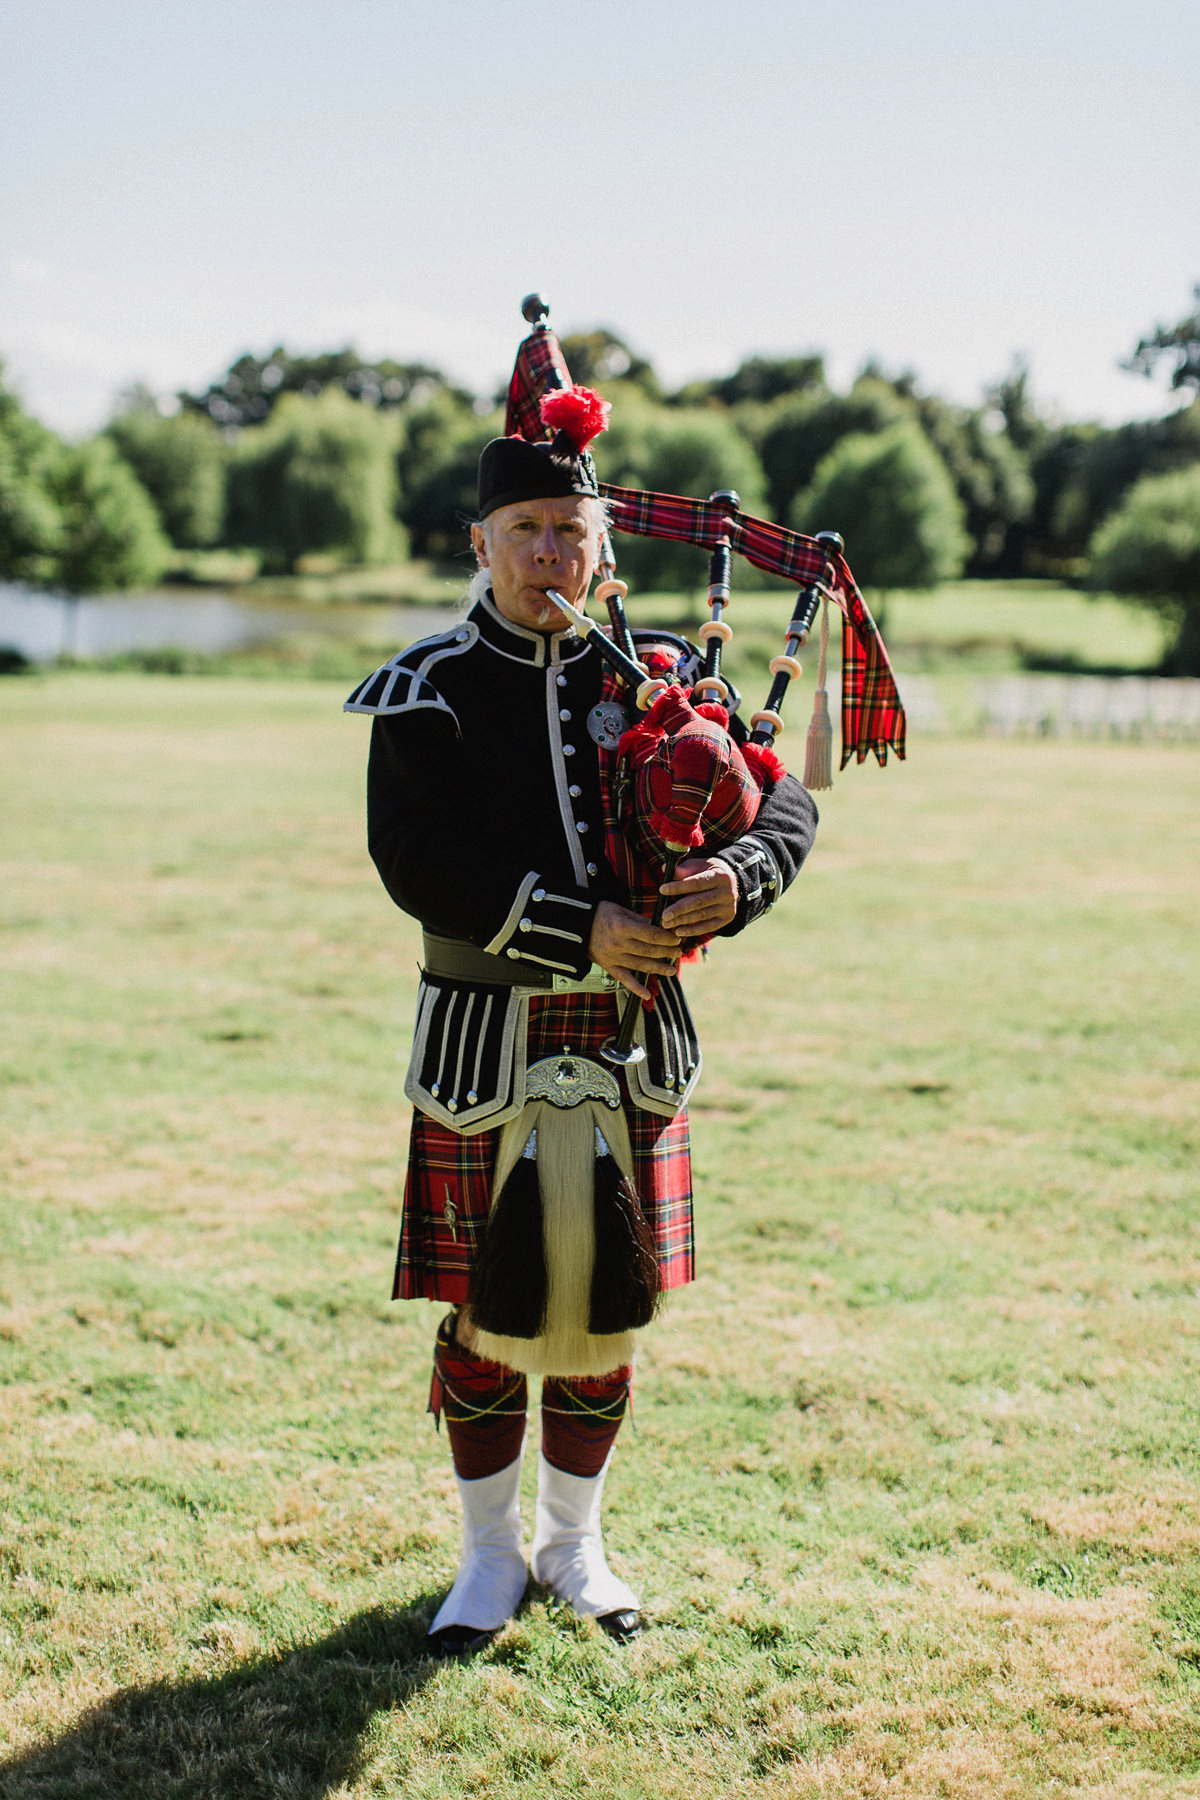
511, 469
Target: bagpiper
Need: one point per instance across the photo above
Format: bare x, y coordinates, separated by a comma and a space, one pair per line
548, 1199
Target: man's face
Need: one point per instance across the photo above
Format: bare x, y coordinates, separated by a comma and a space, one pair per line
535, 545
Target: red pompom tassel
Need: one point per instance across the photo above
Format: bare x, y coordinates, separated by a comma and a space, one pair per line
675, 831
711, 710
576, 410
763, 764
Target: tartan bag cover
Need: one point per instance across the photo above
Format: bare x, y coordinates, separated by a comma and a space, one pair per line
639, 876
628, 795
449, 1187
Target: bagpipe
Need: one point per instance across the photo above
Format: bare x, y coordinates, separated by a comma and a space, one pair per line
682, 779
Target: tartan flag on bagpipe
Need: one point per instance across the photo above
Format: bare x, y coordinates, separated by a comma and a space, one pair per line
872, 712
539, 366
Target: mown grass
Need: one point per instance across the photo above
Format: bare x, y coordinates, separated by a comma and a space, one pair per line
912, 1496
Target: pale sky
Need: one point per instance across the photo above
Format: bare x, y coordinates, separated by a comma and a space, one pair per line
937, 186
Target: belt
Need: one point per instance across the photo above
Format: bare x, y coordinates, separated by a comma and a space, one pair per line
459, 961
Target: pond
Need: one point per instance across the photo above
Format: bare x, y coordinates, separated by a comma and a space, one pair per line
42, 627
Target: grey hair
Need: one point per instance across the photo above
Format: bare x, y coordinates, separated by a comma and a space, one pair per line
477, 587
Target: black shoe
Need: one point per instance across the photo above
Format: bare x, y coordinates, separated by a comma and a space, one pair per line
621, 1627
456, 1640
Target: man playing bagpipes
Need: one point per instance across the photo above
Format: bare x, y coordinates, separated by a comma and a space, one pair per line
548, 1197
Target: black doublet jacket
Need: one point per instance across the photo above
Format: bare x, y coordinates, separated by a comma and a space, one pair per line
484, 821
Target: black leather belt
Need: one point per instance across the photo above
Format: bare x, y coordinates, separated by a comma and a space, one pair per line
458, 961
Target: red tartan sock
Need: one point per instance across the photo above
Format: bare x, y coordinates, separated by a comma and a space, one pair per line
581, 1419
484, 1404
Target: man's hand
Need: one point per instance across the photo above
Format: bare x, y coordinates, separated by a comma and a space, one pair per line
708, 900
630, 947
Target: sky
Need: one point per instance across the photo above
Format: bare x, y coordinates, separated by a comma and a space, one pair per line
941, 187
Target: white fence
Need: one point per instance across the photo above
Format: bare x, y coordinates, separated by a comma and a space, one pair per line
1120, 706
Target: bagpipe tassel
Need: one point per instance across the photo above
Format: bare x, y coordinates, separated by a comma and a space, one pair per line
818, 748
626, 1280
508, 1286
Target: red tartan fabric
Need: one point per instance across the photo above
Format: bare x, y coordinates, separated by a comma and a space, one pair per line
449, 1186
639, 878
581, 1418
484, 1403
634, 854
691, 785
537, 357
872, 714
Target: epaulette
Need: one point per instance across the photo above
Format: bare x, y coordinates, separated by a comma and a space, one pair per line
403, 684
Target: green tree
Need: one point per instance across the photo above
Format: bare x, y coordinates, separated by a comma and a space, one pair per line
1012, 398
1180, 343
437, 462
990, 475
677, 451
1150, 549
1083, 472
758, 380
31, 524
891, 497
180, 461
794, 433
110, 537
252, 386
320, 476
599, 359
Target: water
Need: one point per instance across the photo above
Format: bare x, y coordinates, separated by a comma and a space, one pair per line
41, 627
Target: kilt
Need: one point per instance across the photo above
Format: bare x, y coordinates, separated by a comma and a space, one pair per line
448, 1192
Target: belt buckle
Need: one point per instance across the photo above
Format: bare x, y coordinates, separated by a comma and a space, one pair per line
596, 981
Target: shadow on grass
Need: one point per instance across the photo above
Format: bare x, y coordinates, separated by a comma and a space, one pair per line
287, 1725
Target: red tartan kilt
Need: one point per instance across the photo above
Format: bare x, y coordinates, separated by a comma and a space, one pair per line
449, 1188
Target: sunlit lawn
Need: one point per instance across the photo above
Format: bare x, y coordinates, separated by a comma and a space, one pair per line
913, 1494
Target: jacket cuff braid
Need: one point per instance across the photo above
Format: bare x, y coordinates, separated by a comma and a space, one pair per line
759, 881
547, 927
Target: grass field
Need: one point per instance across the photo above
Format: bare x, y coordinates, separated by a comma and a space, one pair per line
913, 1494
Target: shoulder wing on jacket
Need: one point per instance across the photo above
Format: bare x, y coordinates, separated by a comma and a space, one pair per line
407, 682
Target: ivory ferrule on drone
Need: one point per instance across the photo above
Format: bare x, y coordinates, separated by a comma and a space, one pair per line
715, 633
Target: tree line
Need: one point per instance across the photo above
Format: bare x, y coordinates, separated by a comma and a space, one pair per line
374, 462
